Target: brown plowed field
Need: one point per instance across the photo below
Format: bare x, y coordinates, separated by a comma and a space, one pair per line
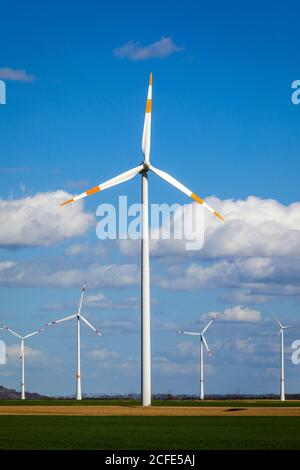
141, 411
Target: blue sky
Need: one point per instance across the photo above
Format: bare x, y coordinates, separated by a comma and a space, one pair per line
223, 124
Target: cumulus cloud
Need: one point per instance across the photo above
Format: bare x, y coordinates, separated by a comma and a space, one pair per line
254, 254
252, 257
28, 274
253, 227
244, 279
161, 49
33, 356
39, 220
235, 314
17, 75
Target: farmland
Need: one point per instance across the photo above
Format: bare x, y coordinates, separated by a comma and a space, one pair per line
124, 425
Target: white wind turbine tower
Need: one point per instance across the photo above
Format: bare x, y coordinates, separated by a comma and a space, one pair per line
202, 342
143, 170
281, 333
22, 354
79, 317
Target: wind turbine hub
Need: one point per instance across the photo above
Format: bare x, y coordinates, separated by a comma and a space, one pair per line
146, 166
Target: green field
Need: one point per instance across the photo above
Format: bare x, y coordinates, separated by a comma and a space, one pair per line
116, 433
92, 402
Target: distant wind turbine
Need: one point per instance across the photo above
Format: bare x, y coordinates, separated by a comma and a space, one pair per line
22, 354
143, 170
282, 378
202, 342
79, 317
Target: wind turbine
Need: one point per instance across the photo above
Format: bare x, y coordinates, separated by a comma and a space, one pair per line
143, 170
202, 342
281, 333
79, 317
22, 354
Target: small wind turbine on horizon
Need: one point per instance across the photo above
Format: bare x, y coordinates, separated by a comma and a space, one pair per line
22, 354
202, 342
282, 378
143, 170
79, 318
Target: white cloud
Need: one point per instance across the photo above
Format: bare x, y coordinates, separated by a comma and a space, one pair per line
235, 314
252, 257
33, 356
258, 279
85, 249
118, 326
97, 301
189, 348
4, 265
49, 275
17, 75
134, 51
100, 301
253, 227
162, 324
40, 221
254, 254
102, 354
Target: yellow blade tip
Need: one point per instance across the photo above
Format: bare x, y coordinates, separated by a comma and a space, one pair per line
218, 215
197, 198
66, 202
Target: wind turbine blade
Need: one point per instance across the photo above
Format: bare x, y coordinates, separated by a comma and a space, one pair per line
147, 124
34, 333
165, 176
276, 319
127, 175
207, 326
280, 333
188, 333
90, 325
206, 345
81, 298
61, 320
4, 327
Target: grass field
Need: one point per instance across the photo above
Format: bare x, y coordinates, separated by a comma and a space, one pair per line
167, 425
119, 433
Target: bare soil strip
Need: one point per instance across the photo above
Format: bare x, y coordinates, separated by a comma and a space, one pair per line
141, 411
